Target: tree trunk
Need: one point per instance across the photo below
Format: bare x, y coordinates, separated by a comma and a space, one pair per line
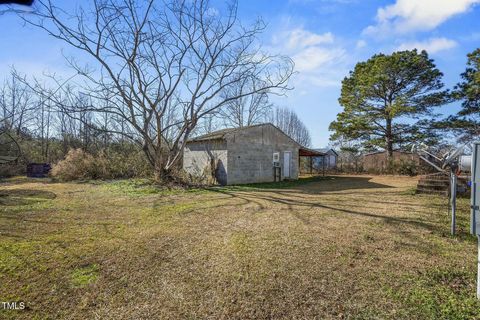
389, 145
160, 174
158, 169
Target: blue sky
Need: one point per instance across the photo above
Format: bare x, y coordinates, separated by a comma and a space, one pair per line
325, 38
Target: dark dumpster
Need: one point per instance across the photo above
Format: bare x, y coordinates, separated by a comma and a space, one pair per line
38, 170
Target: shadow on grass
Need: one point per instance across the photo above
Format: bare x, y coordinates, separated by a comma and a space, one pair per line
20, 197
279, 185
19, 180
297, 195
398, 224
327, 184
291, 203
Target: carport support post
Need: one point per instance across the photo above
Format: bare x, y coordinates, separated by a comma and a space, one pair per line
323, 166
453, 199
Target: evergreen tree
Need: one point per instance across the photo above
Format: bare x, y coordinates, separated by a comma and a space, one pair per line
467, 122
388, 101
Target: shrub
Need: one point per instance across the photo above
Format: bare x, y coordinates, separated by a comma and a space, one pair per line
126, 164
77, 165
409, 168
11, 170
80, 165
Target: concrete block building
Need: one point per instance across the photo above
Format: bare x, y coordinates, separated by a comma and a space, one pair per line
258, 153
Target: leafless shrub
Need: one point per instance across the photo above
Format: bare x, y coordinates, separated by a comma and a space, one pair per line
80, 165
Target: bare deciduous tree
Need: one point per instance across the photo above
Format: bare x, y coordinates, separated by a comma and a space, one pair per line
288, 121
17, 105
162, 66
247, 110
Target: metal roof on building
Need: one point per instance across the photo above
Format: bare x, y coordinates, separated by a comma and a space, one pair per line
306, 152
325, 150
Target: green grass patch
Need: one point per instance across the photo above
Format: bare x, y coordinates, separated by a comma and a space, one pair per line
410, 191
145, 187
13, 256
133, 187
139, 187
85, 275
440, 293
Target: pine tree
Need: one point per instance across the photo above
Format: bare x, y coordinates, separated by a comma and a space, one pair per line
467, 122
388, 101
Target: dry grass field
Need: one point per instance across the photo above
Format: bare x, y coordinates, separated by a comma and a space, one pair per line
338, 247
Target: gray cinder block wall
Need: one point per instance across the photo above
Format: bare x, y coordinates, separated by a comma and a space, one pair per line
250, 154
243, 155
201, 157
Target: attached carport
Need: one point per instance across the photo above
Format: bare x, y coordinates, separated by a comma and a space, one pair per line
309, 154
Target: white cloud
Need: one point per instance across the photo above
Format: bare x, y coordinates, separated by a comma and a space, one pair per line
431, 45
318, 58
300, 38
361, 44
416, 15
314, 58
